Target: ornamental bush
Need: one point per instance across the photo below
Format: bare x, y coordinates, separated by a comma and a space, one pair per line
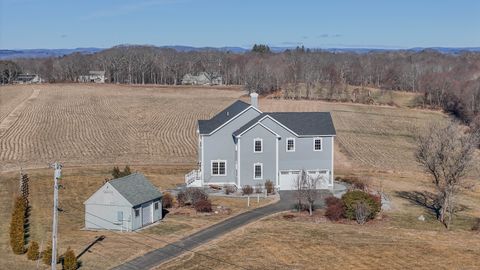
69, 260
204, 206
370, 203
167, 200
270, 187
17, 226
247, 190
335, 208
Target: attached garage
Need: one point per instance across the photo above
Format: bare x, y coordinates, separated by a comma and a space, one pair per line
287, 178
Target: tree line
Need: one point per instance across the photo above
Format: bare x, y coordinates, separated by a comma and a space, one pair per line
448, 81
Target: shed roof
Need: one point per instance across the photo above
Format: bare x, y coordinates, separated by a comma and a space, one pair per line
136, 188
302, 123
207, 126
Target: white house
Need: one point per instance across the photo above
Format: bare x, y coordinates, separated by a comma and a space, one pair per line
93, 77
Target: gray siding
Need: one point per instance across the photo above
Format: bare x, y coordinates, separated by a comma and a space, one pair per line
104, 217
137, 220
304, 156
221, 146
248, 157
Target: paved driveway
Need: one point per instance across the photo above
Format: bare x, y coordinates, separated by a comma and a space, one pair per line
161, 255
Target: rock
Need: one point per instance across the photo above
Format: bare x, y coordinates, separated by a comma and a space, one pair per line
421, 218
216, 212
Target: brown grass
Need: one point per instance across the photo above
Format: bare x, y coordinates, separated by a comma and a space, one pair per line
79, 184
277, 243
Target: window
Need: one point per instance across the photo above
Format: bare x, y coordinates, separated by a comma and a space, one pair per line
156, 205
137, 212
317, 144
258, 145
290, 145
219, 167
257, 171
119, 216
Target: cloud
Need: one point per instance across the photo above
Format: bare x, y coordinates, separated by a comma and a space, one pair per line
329, 36
126, 9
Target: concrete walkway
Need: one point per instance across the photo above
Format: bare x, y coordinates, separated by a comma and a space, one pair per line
161, 255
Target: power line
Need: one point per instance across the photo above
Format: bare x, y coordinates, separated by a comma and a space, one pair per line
131, 239
172, 244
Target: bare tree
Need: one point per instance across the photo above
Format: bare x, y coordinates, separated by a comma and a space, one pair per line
307, 189
445, 152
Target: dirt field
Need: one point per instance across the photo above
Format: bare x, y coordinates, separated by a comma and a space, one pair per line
90, 128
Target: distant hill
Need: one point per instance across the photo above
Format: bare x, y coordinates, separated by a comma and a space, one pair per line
43, 53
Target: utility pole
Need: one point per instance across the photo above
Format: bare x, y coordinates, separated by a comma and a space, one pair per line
57, 174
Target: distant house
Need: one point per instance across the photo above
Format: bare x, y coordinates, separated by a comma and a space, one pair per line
125, 204
28, 78
203, 78
93, 77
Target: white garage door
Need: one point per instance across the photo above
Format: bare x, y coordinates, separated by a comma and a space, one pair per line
287, 179
147, 213
323, 177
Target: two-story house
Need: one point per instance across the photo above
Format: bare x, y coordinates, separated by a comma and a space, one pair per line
242, 145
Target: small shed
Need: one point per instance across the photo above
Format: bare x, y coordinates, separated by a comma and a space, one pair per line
125, 204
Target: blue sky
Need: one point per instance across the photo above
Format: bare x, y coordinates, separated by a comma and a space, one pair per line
368, 23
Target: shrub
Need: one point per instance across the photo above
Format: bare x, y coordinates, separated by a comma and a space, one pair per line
476, 225
181, 198
33, 252
17, 226
167, 200
204, 206
270, 187
230, 189
362, 212
335, 208
355, 182
69, 260
47, 255
191, 196
352, 198
247, 190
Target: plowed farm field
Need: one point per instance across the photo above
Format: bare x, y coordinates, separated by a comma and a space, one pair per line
83, 124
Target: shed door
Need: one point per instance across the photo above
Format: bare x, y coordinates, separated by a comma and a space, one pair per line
287, 179
147, 213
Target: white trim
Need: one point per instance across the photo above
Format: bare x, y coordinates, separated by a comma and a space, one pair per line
261, 171
233, 118
321, 144
276, 121
331, 171
261, 124
276, 162
286, 144
219, 161
238, 162
202, 163
261, 145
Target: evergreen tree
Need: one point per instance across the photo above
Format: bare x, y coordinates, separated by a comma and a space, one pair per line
69, 260
47, 255
17, 226
116, 172
33, 252
126, 171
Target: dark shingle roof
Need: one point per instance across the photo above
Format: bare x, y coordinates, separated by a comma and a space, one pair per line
207, 126
136, 188
302, 123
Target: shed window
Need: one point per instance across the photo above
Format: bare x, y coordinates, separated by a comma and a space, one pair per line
317, 144
257, 145
156, 205
137, 212
290, 145
119, 216
219, 167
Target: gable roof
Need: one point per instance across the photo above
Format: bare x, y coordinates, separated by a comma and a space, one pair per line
136, 188
207, 126
301, 123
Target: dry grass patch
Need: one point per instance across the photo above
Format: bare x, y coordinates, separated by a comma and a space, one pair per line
79, 184
275, 243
